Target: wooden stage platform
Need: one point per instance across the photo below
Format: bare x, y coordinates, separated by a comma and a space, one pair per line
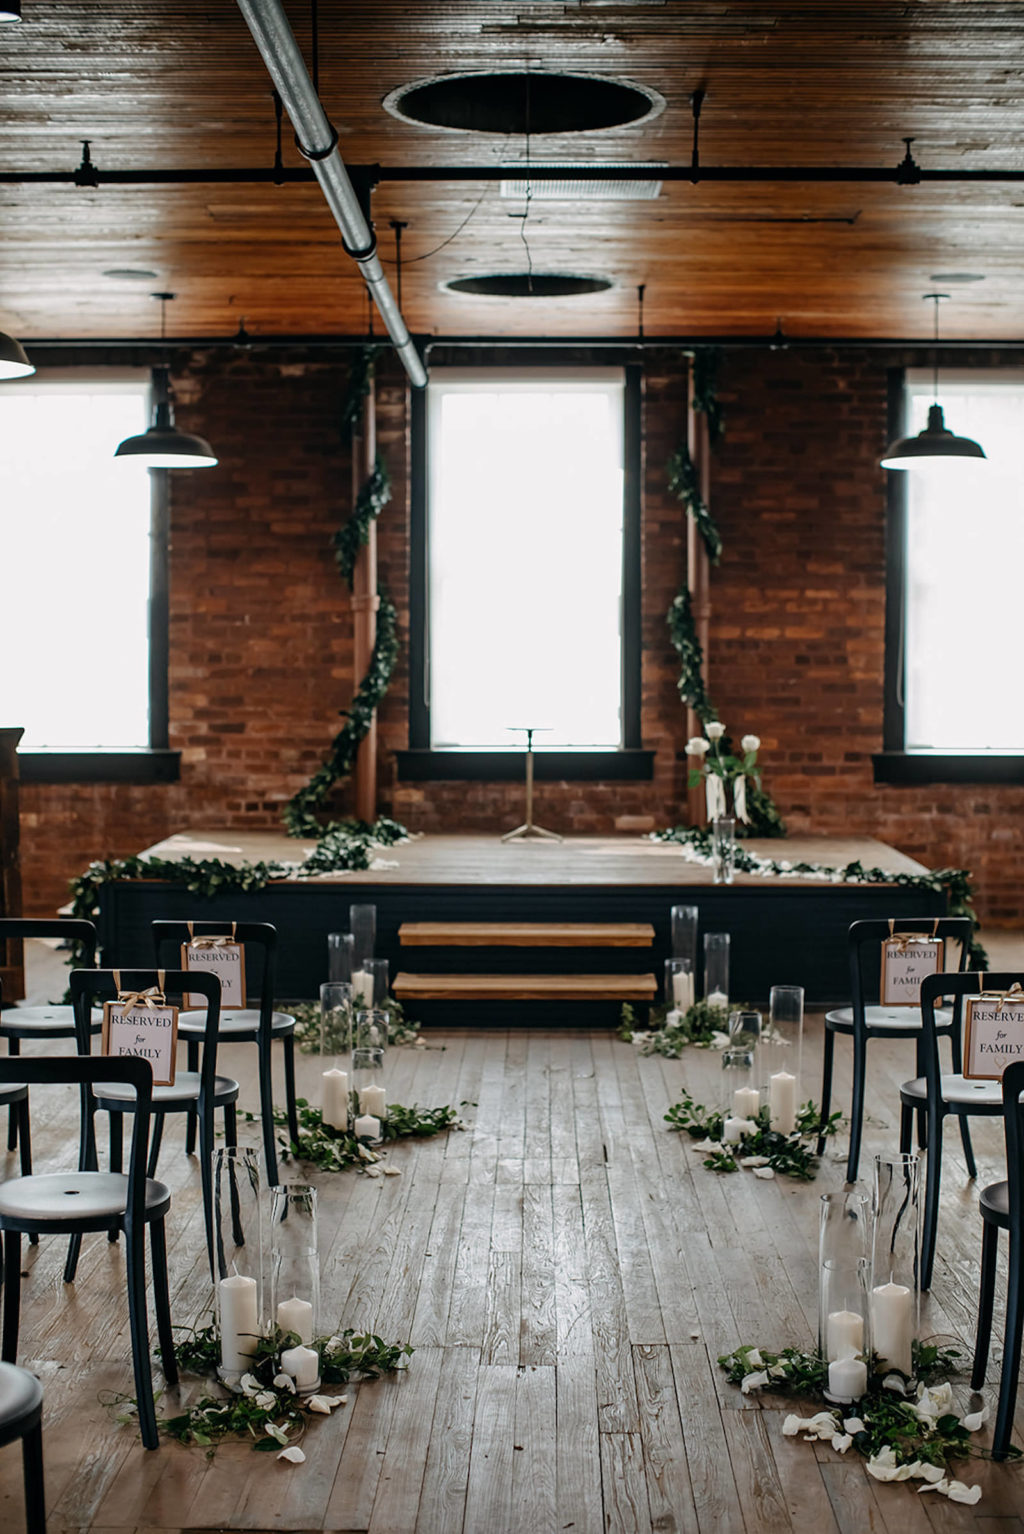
784, 931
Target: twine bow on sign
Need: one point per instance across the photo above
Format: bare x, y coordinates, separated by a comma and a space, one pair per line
211, 939
1014, 995
901, 941
152, 996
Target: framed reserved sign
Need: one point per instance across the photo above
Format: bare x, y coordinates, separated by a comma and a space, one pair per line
223, 957
993, 1035
906, 960
146, 1026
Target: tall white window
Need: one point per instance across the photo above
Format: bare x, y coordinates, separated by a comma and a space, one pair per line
964, 557
75, 526
525, 557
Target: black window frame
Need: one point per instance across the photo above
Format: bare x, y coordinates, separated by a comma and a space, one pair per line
629, 760
894, 763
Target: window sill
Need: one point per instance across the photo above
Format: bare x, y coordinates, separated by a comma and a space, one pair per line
507, 766
948, 767
99, 766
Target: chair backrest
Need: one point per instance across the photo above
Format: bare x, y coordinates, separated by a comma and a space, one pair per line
84, 1070
865, 938
935, 987
1013, 1119
92, 985
168, 937
68, 928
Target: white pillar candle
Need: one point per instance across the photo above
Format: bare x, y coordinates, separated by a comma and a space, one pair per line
303, 1364
735, 1128
718, 999
847, 1380
746, 1102
367, 1128
334, 1111
296, 1315
782, 1102
844, 1333
239, 1323
892, 1325
362, 988
682, 990
373, 1099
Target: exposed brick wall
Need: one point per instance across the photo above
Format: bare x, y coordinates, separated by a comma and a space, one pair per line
261, 653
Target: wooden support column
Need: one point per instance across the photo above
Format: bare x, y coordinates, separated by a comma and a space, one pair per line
365, 603
12, 967
698, 568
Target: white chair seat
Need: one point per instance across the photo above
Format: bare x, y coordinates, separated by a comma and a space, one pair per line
888, 1017
61, 1196
184, 1090
192, 1024
45, 1020
955, 1089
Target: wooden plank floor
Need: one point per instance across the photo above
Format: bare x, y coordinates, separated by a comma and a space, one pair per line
568, 1274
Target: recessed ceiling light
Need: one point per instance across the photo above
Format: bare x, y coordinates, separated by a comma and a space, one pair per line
957, 277
574, 187
528, 285
515, 101
130, 274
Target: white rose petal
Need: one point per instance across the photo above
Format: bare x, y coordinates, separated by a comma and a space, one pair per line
275, 1431
751, 743
715, 730
778, 1371
392, 1171
294, 1455
249, 1384
754, 1359
853, 1425
266, 1400
706, 1145
841, 1442
791, 1426
323, 1404
753, 1381
960, 1492
283, 1382
753, 1161
975, 1419
697, 746
333, 1342
765, 1172
895, 1382
822, 1425
373, 1171
931, 1473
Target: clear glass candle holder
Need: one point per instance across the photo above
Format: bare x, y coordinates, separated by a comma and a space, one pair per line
679, 985
335, 1019
896, 1257
782, 1041
370, 984
238, 1257
369, 1103
723, 849
295, 1280
741, 1100
844, 1280
716, 969
363, 921
339, 956
685, 919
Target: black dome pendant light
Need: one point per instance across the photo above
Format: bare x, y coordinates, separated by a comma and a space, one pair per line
936, 444
163, 446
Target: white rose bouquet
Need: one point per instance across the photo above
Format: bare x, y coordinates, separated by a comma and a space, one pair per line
719, 768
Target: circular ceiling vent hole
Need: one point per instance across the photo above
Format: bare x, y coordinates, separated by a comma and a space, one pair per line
129, 274
499, 101
525, 285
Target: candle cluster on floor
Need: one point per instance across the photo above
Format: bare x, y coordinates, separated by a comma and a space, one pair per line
733, 1141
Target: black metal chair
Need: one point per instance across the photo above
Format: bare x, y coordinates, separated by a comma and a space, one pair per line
14, 1097
863, 1021
70, 1203
47, 1022
251, 1025
1002, 1208
940, 1096
195, 1092
21, 1416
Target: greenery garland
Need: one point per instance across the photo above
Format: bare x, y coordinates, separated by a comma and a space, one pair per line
955, 883
360, 381
354, 534
764, 1151
705, 391
683, 634
682, 483
336, 1150
299, 813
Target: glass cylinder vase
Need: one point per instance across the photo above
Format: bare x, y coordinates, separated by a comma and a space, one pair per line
685, 920
370, 984
896, 1256
238, 1258
844, 1280
339, 956
716, 969
369, 1096
363, 921
295, 1280
782, 1043
741, 1101
723, 849
678, 990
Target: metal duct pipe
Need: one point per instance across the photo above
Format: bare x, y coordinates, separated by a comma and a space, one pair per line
318, 141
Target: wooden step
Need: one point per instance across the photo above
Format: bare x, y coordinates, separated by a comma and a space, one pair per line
525, 987
525, 934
